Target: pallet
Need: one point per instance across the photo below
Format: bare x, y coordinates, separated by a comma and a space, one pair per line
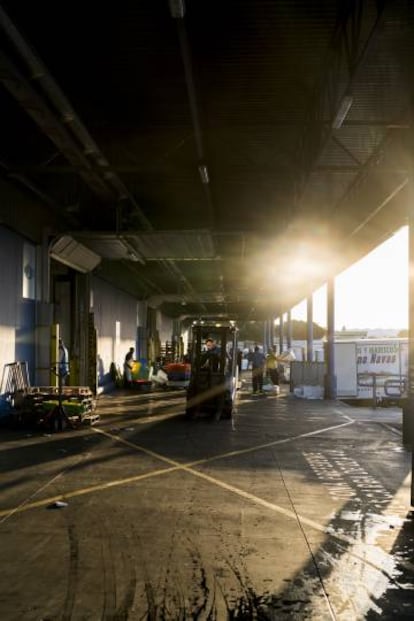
38, 402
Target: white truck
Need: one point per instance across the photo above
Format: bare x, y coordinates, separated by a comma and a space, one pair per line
372, 369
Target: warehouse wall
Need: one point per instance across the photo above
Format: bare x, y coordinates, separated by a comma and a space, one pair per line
120, 319
116, 320
165, 327
17, 304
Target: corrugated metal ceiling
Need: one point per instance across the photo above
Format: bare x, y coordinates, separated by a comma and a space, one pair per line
244, 90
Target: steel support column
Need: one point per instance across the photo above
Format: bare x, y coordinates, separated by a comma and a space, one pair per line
408, 410
309, 328
281, 346
289, 330
269, 333
272, 331
330, 377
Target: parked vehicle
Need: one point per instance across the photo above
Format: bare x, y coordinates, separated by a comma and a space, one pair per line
372, 369
212, 387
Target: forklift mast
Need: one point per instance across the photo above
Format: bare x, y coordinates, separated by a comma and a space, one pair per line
213, 389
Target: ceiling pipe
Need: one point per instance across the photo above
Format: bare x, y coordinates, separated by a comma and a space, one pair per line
203, 170
40, 74
17, 85
195, 117
343, 109
27, 183
68, 116
133, 254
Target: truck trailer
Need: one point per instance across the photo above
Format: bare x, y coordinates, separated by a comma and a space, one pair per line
372, 369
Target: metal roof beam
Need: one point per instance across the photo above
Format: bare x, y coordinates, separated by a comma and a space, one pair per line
103, 180
17, 85
348, 54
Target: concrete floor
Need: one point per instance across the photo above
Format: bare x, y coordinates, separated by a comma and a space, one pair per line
296, 509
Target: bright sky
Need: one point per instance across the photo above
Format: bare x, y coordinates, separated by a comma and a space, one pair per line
372, 293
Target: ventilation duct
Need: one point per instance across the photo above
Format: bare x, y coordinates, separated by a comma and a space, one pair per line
73, 254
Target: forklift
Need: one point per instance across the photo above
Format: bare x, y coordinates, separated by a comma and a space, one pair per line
212, 386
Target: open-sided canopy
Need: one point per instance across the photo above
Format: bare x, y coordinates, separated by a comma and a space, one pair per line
222, 158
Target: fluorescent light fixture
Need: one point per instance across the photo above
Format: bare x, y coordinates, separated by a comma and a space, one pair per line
177, 8
204, 174
343, 110
133, 257
68, 251
132, 254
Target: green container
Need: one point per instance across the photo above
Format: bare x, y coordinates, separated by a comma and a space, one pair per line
72, 408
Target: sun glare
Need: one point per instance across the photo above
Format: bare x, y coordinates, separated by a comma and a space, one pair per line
372, 293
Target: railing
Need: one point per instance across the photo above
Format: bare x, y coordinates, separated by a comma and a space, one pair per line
15, 378
393, 386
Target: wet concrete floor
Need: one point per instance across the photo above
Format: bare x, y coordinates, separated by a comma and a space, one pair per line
296, 509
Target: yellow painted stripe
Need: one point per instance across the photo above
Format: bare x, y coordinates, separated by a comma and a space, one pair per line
86, 490
189, 468
25, 506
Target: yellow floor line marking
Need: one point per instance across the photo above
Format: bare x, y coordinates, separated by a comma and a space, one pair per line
155, 418
258, 447
174, 466
265, 503
86, 490
189, 468
24, 503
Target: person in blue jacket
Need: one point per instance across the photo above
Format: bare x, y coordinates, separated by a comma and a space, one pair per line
63, 362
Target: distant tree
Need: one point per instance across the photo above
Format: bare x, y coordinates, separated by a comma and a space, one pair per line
402, 334
300, 330
254, 330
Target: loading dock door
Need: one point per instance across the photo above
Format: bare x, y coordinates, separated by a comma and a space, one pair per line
346, 369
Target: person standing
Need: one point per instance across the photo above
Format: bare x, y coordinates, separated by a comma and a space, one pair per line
249, 357
63, 368
272, 366
211, 356
258, 363
239, 361
128, 364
